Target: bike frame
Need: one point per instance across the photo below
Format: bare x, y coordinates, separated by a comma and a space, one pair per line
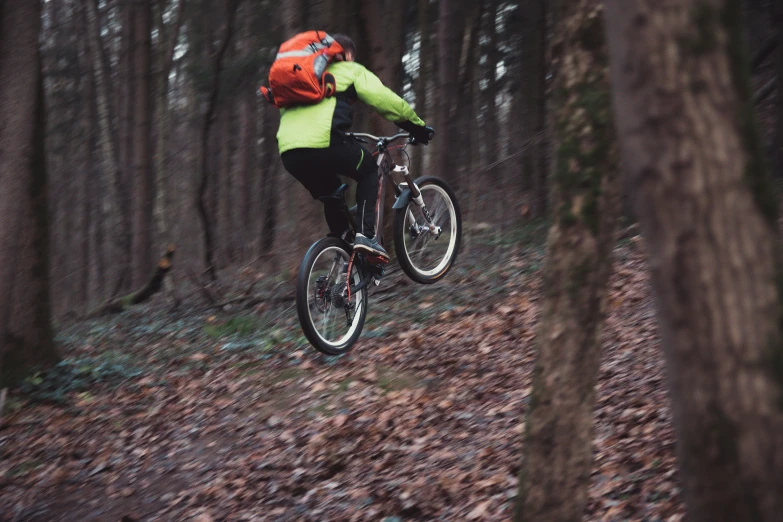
385, 168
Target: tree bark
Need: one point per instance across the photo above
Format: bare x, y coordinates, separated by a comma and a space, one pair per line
226, 180
777, 146
125, 134
491, 119
167, 46
25, 331
247, 168
144, 177
207, 220
694, 158
118, 225
533, 98
384, 46
558, 446
449, 32
425, 73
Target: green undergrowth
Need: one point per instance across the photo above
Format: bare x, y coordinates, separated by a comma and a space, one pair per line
78, 374
240, 325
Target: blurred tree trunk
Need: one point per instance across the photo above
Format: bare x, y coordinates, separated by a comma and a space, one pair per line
85, 207
126, 99
558, 446
247, 161
293, 15
144, 177
469, 134
247, 187
384, 49
270, 176
207, 215
695, 159
777, 147
114, 214
491, 119
425, 75
449, 28
533, 100
25, 331
166, 47
226, 181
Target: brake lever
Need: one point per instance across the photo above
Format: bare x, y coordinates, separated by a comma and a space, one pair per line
360, 140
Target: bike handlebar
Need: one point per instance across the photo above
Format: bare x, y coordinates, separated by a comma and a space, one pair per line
384, 139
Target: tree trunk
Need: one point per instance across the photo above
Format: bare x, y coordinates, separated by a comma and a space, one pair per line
449, 35
777, 146
293, 17
694, 158
144, 178
469, 57
226, 181
127, 96
534, 101
425, 73
207, 217
118, 225
270, 176
247, 168
558, 447
491, 119
167, 45
384, 57
25, 331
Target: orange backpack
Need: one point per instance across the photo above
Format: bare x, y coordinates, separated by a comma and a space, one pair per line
298, 74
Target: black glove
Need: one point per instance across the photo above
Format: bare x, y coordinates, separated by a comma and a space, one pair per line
420, 134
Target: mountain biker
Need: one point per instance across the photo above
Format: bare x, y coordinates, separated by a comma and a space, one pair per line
315, 149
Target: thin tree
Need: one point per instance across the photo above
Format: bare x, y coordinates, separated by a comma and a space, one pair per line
119, 224
25, 332
777, 24
143, 176
449, 33
695, 161
207, 219
558, 446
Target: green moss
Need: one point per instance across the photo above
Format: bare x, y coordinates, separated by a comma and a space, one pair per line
126, 301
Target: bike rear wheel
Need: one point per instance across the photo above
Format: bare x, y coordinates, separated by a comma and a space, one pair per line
424, 254
329, 322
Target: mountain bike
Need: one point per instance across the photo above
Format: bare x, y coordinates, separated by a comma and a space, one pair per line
333, 280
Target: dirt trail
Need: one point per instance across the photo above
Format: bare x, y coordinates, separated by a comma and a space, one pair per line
422, 421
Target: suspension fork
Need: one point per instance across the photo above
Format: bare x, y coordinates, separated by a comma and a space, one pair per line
419, 200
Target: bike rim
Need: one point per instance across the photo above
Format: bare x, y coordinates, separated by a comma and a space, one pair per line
429, 255
326, 313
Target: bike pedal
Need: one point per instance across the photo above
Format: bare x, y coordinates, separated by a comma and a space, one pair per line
377, 260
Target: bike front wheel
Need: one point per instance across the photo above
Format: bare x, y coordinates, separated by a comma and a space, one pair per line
330, 321
427, 238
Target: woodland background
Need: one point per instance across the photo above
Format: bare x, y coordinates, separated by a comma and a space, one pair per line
134, 131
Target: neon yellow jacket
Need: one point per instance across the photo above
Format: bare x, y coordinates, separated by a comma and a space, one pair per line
310, 126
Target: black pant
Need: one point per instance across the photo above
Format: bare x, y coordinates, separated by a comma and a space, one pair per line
317, 170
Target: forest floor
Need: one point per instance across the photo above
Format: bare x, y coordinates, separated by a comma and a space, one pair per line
201, 414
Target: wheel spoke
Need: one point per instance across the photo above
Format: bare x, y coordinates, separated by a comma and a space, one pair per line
427, 254
326, 291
